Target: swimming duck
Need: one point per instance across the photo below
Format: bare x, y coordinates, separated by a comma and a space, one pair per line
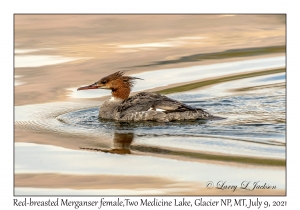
142, 106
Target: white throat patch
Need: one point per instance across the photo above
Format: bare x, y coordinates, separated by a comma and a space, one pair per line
114, 99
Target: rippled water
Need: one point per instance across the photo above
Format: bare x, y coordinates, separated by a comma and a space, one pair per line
254, 124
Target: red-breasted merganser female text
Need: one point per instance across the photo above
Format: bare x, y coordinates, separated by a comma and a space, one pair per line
143, 106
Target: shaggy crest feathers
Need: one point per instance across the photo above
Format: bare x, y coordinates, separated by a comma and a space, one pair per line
114, 76
118, 76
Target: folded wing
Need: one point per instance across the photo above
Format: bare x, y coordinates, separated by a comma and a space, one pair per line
152, 101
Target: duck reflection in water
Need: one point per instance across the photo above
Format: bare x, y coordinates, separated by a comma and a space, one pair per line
121, 142
124, 136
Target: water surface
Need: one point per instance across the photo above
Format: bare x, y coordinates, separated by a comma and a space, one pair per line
62, 148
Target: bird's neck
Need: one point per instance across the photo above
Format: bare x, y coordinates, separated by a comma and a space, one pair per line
121, 93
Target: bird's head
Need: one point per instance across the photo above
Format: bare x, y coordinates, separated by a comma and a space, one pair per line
119, 84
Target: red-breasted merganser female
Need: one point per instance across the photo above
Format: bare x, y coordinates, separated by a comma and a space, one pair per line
142, 106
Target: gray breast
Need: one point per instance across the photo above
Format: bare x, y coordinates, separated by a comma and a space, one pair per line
108, 110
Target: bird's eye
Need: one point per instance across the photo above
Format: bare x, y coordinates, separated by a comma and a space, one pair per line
103, 81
